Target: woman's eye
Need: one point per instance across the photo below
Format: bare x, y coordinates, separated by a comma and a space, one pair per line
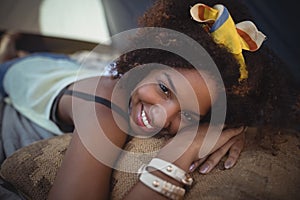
164, 89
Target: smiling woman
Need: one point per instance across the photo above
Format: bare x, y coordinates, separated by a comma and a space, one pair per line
176, 80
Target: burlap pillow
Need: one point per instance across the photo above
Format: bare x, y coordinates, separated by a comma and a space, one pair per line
32, 169
269, 168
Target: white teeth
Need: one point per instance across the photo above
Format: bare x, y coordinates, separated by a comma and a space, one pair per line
145, 120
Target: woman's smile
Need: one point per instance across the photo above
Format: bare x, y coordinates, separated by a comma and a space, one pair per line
143, 119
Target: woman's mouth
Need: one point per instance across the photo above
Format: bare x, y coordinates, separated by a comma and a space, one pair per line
145, 119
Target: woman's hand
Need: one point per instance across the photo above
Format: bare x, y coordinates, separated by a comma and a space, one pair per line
232, 147
189, 151
188, 147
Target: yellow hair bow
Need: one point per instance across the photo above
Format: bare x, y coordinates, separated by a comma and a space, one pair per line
235, 37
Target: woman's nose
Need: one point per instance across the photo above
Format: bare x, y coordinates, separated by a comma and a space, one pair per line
162, 116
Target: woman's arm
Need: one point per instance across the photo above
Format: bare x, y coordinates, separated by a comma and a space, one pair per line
81, 176
95, 146
187, 157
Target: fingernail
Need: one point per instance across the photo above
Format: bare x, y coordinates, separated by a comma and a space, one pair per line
228, 164
192, 168
204, 168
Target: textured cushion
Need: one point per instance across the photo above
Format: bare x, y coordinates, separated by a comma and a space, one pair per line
32, 169
269, 168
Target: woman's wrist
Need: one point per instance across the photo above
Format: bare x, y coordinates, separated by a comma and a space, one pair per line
162, 186
171, 170
184, 161
165, 178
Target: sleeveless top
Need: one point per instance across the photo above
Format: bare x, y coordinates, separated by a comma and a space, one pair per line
84, 96
34, 83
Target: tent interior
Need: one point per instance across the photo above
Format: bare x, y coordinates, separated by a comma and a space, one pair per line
71, 25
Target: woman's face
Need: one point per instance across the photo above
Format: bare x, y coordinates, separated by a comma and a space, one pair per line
167, 100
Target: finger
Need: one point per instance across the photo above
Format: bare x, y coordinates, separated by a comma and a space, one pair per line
226, 135
215, 157
232, 132
196, 164
234, 153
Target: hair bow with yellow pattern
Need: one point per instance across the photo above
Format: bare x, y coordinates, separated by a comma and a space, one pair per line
235, 37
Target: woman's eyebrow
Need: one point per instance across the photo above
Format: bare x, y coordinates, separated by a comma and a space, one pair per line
170, 82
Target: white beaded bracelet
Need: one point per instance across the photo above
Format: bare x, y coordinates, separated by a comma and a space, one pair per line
171, 170
161, 186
